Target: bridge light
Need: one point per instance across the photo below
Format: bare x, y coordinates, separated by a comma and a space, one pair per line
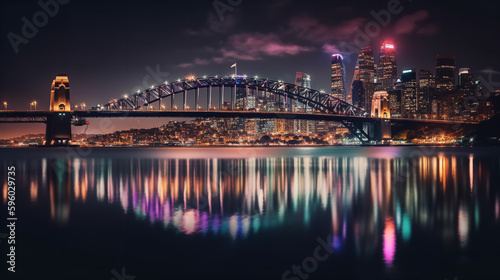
125, 95
204, 76
138, 91
153, 86
178, 80
5, 104
217, 76
255, 77
166, 82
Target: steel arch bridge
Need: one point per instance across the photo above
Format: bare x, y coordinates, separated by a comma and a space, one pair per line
285, 93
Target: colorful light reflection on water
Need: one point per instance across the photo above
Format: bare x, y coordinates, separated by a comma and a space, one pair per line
373, 200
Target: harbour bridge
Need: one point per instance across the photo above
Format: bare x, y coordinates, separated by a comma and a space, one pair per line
209, 95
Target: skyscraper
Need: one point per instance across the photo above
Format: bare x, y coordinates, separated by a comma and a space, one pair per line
426, 93
409, 96
338, 77
465, 78
468, 86
445, 73
395, 100
388, 71
302, 126
303, 80
366, 63
358, 93
445, 85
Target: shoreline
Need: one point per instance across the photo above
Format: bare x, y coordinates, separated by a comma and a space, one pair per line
241, 146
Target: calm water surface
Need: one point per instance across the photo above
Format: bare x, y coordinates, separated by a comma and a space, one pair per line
256, 213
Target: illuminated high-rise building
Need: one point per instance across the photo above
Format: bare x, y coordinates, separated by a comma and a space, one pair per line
366, 66
358, 93
445, 73
388, 70
303, 79
302, 126
395, 100
426, 93
468, 86
445, 86
465, 78
409, 96
338, 77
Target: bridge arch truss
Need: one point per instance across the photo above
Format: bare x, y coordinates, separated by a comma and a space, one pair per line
284, 93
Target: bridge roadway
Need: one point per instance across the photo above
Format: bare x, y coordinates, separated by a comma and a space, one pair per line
11, 116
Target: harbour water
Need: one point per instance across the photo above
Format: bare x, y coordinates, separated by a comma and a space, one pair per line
255, 213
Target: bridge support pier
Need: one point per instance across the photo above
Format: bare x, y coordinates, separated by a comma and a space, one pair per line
383, 130
58, 129
370, 132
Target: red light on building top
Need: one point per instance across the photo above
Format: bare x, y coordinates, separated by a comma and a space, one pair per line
389, 46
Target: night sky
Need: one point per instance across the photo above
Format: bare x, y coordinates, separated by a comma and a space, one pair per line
109, 48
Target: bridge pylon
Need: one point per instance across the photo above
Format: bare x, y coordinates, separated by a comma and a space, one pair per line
58, 130
374, 131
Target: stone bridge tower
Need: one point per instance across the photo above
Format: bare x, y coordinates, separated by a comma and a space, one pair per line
58, 132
